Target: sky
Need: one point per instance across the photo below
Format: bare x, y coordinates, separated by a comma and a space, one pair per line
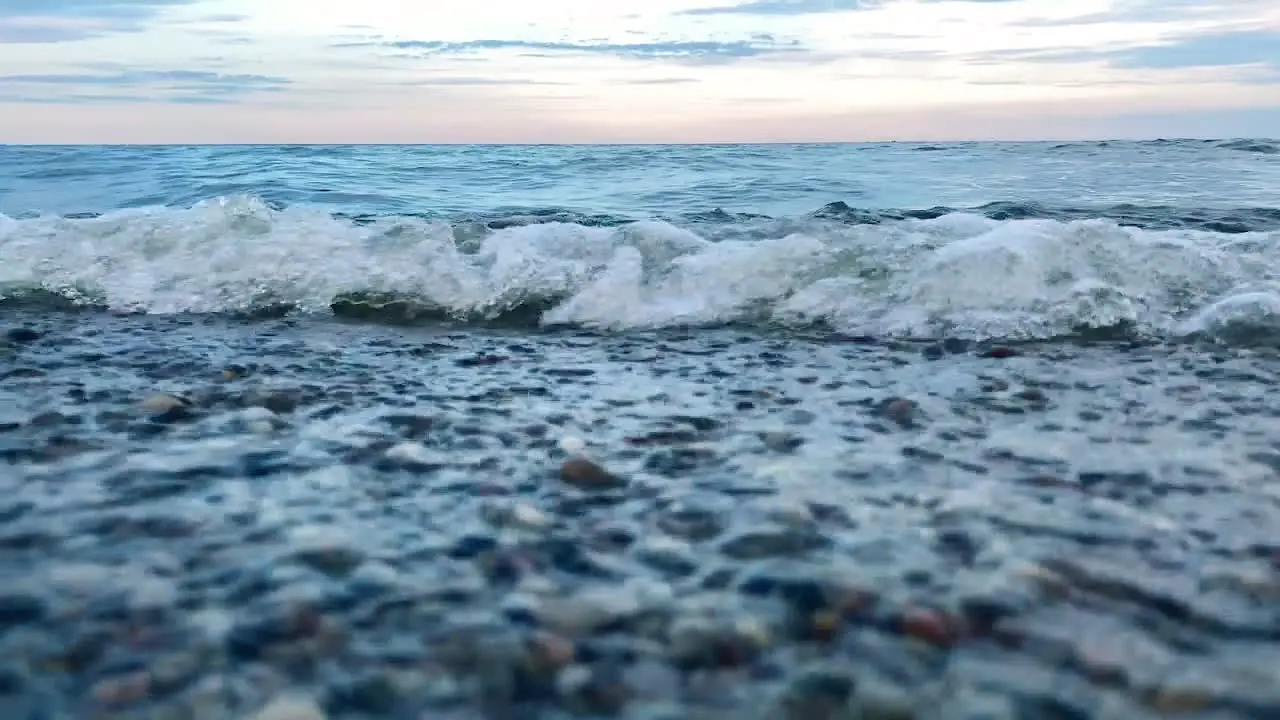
555, 71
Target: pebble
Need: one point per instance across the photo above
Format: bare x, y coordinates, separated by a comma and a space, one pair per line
166, 406
667, 555
766, 542
19, 608
818, 693
117, 692
528, 517
931, 626
903, 412
584, 474
22, 335
290, 707
572, 445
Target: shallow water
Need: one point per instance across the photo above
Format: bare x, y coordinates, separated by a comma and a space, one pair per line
277, 454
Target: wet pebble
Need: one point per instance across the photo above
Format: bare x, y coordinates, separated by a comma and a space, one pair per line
766, 541
584, 474
290, 707
22, 335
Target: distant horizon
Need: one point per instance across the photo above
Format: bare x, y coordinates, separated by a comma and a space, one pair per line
633, 72
1062, 141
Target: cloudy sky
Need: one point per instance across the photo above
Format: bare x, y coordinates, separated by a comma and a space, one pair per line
635, 70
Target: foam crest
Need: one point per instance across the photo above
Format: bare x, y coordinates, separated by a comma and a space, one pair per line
955, 275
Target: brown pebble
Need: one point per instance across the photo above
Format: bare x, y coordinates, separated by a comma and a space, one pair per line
931, 626
825, 626
584, 474
552, 651
728, 653
234, 372
122, 689
999, 353
854, 603
901, 411
1180, 700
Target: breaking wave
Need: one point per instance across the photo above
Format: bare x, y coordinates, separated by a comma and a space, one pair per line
1002, 272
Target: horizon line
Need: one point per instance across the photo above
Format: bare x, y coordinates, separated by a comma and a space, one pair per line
642, 143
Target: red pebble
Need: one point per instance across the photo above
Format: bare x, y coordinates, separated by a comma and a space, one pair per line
122, 690
1000, 353
930, 626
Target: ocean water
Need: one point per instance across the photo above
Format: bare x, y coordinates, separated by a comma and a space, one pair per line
1006, 241
902, 430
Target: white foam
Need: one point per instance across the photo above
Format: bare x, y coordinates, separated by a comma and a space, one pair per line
959, 274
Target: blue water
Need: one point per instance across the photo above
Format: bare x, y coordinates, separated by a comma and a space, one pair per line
985, 240
644, 181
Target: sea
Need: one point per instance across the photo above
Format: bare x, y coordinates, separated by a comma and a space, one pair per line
896, 430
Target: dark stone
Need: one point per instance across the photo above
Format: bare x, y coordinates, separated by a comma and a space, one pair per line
17, 608
250, 639
672, 462
22, 335
51, 418
766, 542
12, 679
372, 695
471, 546
584, 474
819, 692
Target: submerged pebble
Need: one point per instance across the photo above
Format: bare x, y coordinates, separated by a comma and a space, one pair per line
385, 524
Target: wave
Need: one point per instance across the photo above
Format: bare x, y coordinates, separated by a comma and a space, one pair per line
930, 274
1150, 217
1254, 146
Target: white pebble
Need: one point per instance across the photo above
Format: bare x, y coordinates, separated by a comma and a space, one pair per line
261, 427
290, 708
572, 679
529, 517
376, 573
152, 593
573, 445
410, 452
215, 624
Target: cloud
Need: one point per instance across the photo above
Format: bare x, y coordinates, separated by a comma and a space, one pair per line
689, 51
1251, 47
176, 86
784, 7
222, 18
1250, 50
470, 80
798, 7
661, 81
86, 8
71, 99
54, 21
1158, 11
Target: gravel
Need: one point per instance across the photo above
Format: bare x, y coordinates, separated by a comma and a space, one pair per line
289, 520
